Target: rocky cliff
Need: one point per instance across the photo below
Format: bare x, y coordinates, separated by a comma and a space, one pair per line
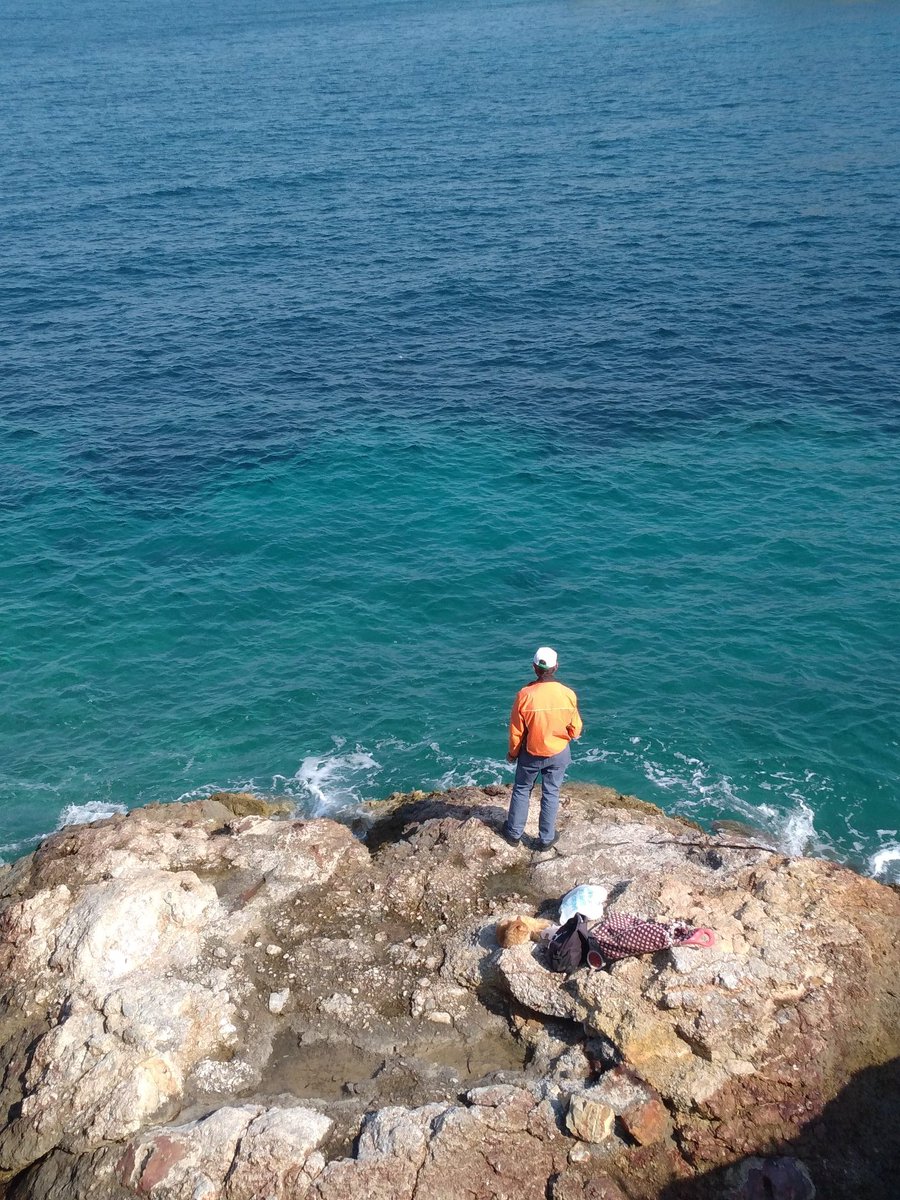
203, 1002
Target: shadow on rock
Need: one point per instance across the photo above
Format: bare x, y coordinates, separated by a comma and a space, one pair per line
392, 823
850, 1152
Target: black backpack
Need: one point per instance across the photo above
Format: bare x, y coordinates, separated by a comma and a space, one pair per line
568, 948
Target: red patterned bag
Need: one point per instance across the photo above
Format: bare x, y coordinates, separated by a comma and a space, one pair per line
620, 935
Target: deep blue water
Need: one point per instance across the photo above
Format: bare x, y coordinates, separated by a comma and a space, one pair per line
351, 350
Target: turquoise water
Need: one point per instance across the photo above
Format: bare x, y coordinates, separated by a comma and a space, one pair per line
352, 350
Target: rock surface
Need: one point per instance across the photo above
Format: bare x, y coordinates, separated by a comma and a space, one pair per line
201, 1002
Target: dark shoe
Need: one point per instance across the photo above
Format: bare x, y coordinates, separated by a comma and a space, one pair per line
548, 845
508, 837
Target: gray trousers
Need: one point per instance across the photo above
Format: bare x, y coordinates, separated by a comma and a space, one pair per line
552, 771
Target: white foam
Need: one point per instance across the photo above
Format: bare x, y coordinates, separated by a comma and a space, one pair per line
476, 773
694, 787
204, 790
83, 814
698, 780
686, 758
333, 781
798, 833
884, 865
594, 755
660, 777
10, 850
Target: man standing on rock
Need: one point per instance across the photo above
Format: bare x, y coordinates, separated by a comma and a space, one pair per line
544, 720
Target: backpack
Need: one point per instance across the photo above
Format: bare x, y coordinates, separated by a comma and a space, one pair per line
568, 947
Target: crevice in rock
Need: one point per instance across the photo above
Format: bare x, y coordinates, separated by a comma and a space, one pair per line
16, 1188
16, 1081
239, 1141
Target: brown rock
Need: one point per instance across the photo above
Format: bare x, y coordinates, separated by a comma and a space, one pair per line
164, 1155
648, 1122
574, 1185
245, 804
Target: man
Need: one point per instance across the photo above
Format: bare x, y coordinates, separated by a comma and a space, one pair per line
544, 720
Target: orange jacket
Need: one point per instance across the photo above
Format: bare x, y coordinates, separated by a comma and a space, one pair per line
544, 719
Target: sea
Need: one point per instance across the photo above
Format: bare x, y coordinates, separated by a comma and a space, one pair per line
352, 349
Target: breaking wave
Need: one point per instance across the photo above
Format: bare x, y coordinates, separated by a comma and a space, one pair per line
885, 864
83, 814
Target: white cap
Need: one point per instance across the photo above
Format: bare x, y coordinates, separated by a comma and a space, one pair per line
545, 657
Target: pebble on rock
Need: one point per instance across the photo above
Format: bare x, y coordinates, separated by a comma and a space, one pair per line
278, 1001
589, 1120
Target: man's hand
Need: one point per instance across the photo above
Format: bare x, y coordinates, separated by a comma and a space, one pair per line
511, 757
